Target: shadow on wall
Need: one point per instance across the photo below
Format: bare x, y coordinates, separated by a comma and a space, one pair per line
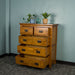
60, 38
60, 42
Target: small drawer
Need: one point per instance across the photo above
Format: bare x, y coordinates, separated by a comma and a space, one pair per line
33, 50
41, 41
25, 39
40, 31
33, 61
26, 30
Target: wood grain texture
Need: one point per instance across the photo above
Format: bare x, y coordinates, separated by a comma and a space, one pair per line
26, 30
33, 50
27, 24
40, 41
32, 61
38, 31
25, 39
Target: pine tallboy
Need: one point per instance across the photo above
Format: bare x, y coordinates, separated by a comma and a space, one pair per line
38, 44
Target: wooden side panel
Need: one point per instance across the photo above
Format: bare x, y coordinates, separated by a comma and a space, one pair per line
54, 44
50, 50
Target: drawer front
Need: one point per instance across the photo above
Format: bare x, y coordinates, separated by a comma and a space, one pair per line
41, 41
25, 40
26, 30
32, 50
22, 61
37, 62
25, 49
41, 51
38, 31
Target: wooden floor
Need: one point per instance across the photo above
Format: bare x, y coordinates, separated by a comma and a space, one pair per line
8, 67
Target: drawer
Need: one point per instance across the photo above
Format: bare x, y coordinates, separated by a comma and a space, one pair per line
25, 39
26, 30
37, 62
33, 50
40, 31
41, 41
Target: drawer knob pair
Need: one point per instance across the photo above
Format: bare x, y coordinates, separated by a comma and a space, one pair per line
23, 62
26, 30
39, 41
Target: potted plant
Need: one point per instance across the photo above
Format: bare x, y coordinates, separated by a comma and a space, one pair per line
45, 15
30, 19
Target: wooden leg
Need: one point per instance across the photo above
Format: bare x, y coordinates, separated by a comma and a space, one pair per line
54, 62
50, 65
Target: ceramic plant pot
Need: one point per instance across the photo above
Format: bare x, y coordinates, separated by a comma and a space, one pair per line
45, 21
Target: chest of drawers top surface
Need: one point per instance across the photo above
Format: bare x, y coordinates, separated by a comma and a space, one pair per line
28, 24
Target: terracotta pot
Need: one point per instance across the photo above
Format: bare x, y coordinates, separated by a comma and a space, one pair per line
45, 21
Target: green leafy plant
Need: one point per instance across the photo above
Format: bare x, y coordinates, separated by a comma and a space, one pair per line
30, 17
34, 15
23, 18
45, 15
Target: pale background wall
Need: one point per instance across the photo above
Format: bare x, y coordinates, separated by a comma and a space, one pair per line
7, 26
63, 14
2, 27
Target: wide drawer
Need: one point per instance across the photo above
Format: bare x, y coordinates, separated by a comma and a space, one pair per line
40, 41
25, 39
33, 50
41, 31
26, 30
37, 62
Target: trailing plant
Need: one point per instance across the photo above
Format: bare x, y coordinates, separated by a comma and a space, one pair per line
23, 18
29, 17
45, 15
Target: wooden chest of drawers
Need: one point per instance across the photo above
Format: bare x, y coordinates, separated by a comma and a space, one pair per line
37, 45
